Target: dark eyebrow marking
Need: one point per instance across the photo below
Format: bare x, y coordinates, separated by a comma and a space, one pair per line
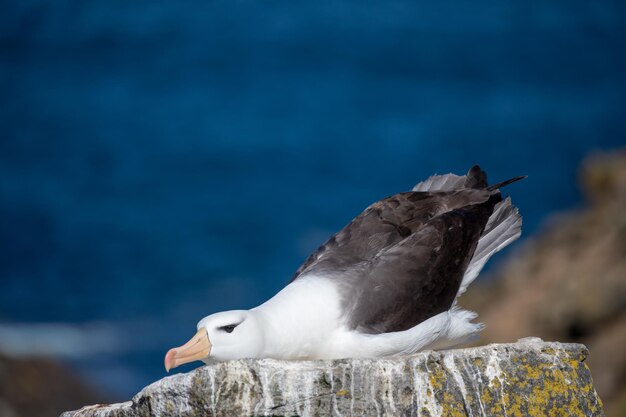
228, 328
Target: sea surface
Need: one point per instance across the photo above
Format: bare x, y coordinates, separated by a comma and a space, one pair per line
161, 161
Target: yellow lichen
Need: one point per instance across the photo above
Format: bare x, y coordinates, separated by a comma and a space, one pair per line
436, 377
478, 362
451, 407
485, 396
553, 392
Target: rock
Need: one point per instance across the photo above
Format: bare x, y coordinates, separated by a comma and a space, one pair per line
528, 378
567, 281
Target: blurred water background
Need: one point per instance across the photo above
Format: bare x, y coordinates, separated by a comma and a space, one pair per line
161, 161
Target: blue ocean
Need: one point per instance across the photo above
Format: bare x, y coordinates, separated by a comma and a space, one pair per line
161, 161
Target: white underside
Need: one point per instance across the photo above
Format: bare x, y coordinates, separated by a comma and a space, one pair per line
304, 321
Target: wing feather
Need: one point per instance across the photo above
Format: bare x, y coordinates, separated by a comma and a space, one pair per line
384, 224
418, 277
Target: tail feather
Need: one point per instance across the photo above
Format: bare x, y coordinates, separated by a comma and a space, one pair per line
505, 183
448, 182
504, 227
475, 178
460, 330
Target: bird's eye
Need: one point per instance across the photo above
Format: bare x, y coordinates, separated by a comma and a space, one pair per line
229, 328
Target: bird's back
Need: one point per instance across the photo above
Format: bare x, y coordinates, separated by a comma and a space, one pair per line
403, 259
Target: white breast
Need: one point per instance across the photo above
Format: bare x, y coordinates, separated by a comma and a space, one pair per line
300, 320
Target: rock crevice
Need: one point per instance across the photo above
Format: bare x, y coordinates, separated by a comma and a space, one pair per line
527, 378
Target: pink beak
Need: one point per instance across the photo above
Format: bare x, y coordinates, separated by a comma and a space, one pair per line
195, 349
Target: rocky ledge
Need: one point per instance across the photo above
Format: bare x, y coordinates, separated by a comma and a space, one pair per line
527, 378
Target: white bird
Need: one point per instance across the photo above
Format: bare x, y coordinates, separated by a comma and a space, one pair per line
385, 285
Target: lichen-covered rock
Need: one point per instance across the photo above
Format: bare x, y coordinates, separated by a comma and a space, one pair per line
528, 378
567, 281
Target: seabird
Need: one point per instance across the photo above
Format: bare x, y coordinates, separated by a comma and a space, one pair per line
385, 285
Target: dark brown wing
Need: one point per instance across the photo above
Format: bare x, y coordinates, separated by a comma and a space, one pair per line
383, 225
419, 276
402, 260
389, 221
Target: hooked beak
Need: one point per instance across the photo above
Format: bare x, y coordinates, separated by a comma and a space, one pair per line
197, 348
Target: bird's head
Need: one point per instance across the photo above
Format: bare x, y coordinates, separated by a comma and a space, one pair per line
222, 336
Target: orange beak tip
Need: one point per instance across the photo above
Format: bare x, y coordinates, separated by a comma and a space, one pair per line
197, 348
169, 359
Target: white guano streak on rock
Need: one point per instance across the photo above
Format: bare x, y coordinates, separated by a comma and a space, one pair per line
493, 371
265, 375
373, 391
351, 389
389, 371
285, 388
220, 384
246, 397
334, 392
211, 371
361, 371
448, 361
422, 387
479, 381
296, 383
306, 385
